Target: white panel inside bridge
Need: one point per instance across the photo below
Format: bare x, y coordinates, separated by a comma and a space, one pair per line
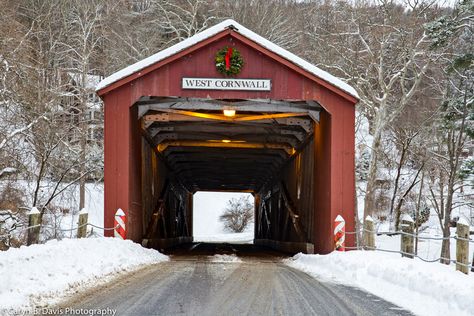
207, 208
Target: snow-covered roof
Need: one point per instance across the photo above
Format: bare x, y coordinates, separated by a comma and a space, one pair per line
199, 37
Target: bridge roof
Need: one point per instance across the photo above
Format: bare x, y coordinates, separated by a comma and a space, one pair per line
138, 69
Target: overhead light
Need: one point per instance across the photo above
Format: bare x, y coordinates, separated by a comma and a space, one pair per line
225, 141
229, 112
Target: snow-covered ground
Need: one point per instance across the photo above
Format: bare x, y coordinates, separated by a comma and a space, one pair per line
94, 205
234, 238
68, 201
427, 249
207, 207
43, 274
424, 288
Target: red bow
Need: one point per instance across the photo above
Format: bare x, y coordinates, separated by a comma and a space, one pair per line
227, 58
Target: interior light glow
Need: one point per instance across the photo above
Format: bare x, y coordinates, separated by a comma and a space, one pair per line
229, 112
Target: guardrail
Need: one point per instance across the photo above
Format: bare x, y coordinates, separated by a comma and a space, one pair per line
34, 227
407, 242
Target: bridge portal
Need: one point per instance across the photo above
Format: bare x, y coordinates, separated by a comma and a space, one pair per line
227, 110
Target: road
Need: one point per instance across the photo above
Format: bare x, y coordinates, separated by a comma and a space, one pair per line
192, 284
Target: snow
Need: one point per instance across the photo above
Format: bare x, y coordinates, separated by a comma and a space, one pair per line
225, 259
235, 238
407, 218
463, 221
199, 37
33, 211
91, 80
427, 249
83, 211
207, 207
7, 170
45, 273
423, 288
94, 206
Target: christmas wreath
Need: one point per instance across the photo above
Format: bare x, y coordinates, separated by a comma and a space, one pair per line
229, 62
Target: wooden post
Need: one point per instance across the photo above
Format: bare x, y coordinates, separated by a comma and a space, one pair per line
369, 233
82, 224
407, 244
472, 265
462, 246
34, 221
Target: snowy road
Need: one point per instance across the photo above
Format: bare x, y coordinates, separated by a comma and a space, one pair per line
201, 283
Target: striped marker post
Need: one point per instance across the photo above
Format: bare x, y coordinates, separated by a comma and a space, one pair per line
119, 224
339, 233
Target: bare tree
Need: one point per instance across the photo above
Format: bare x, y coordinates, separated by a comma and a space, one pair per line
453, 138
275, 20
179, 20
408, 137
383, 51
82, 21
455, 128
49, 160
238, 214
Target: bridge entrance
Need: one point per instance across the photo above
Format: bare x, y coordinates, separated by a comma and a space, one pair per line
227, 110
237, 225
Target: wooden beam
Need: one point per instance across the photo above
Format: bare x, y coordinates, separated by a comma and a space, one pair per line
229, 190
268, 116
290, 140
224, 153
293, 213
245, 105
163, 146
163, 117
229, 129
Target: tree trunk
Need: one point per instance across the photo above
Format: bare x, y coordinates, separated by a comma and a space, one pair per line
84, 121
82, 180
445, 247
397, 178
369, 200
417, 212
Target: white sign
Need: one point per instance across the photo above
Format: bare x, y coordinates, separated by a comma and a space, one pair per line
227, 84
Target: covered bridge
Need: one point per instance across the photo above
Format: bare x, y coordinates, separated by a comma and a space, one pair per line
227, 110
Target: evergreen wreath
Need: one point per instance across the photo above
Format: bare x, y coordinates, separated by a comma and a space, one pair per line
229, 62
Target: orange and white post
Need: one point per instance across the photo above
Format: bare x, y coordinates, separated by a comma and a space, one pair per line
119, 224
339, 233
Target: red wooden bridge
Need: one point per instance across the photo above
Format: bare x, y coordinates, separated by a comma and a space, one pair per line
278, 127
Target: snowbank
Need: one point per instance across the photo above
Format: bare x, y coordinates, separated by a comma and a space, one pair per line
42, 274
424, 288
234, 238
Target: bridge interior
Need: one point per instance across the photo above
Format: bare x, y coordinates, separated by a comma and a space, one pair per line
265, 147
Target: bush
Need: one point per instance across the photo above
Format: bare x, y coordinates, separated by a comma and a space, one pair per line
238, 214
